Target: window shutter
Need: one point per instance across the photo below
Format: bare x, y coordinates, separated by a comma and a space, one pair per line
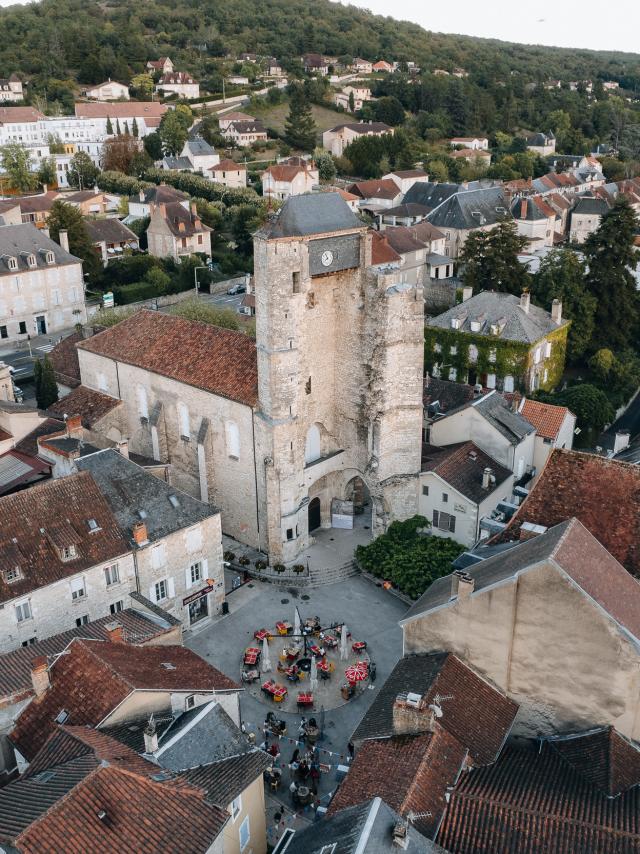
171, 588
205, 569
435, 518
452, 523
187, 577
152, 592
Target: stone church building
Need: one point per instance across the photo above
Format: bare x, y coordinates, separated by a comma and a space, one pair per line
324, 407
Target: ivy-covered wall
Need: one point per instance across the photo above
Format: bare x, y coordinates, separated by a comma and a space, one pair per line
511, 357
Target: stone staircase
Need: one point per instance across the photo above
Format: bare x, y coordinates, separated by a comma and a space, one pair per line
329, 575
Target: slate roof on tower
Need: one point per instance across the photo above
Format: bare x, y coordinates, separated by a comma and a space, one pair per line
312, 213
220, 361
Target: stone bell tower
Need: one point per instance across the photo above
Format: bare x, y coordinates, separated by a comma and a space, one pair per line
340, 350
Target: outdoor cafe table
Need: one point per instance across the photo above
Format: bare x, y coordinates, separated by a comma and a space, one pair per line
329, 640
317, 650
305, 698
358, 646
251, 655
283, 628
278, 692
323, 665
261, 634
292, 652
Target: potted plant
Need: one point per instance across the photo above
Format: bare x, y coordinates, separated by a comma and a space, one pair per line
229, 556
244, 561
260, 565
298, 568
279, 568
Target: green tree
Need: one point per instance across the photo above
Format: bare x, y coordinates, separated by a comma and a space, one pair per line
590, 405
611, 258
134, 128
245, 221
352, 102
173, 133
82, 171
109, 126
196, 309
47, 172
490, 260
142, 86
300, 128
45, 383
325, 164
389, 110
437, 171
153, 146
15, 161
64, 217
561, 275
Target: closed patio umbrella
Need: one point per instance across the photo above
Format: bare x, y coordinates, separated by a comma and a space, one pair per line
313, 679
344, 643
296, 623
265, 661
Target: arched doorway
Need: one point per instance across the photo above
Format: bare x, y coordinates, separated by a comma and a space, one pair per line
314, 514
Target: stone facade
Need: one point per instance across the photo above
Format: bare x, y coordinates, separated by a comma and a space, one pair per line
53, 608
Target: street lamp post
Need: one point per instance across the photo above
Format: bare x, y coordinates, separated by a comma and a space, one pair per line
195, 277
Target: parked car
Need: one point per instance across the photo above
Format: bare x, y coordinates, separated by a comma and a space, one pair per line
236, 289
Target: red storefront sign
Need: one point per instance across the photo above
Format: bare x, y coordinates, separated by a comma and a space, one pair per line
198, 594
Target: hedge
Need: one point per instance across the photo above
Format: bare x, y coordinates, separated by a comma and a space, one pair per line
199, 187
118, 182
134, 293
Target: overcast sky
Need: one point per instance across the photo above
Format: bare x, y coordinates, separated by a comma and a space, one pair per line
614, 25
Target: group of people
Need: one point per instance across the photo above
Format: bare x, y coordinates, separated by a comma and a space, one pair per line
304, 765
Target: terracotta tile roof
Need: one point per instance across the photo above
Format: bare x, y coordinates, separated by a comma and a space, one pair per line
426, 231
603, 494
216, 360
172, 77
91, 405
283, 172
546, 418
381, 188
381, 251
462, 466
348, 197
228, 166
37, 204
410, 773
478, 715
15, 666
35, 523
403, 239
533, 801
93, 677
236, 117
70, 742
19, 114
121, 109
64, 358
181, 221
141, 815
604, 757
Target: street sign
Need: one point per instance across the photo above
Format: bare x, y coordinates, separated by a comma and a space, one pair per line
107, 300
198, 595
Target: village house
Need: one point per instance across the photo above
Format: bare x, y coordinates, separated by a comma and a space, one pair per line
176, 539
65, 561
382, 65
141, 203
111, 238
147, 115
475, 156
487, 419
376, 194
41, 284
542, 144
535, 219
196, 156
229, 173
99, 791
229, 118
500, 341
530, 620
110, 90
554, 425
244, 133
90, 203
315, 63
464, 212
361, 66
11, 89
173, 374
406, 178
359, 95
586, 216
177, 232
476, 143
160, 66
179, 83
290, 177
338, 138
273, 68
36, 209
459, 486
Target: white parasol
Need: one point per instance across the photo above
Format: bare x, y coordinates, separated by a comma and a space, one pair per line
265, 661
344, 643
313, 679
296, 624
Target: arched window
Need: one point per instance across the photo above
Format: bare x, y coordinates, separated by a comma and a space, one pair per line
312, 445
233, 439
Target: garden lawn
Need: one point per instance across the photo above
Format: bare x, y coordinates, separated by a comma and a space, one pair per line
276, 115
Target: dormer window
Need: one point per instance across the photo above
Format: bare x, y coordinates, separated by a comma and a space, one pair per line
31, 261
455, 323
68, 552
12, 263
93, 525
50, 258
11, 575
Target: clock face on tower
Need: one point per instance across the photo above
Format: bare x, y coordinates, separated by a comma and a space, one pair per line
332, 254
326, 258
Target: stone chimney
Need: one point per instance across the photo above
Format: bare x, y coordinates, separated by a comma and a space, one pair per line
115, 632
141, 195
63, 239
140, 536
486, 478
45, 188
462, 584
123, 448
528, 530
150, 737
163, 209
621, 441
412, 715
467, 293
525, 301
194, 209
74, 426
40, 675
556, 312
